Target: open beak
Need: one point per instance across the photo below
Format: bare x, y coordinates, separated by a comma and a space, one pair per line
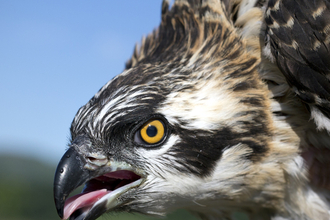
103, 185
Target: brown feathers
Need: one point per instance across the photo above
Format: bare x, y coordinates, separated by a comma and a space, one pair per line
219, 75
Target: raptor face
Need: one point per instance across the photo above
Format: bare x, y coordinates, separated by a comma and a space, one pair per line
188, 124
153, 137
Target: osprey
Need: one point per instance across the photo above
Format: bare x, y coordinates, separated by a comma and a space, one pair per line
224, 108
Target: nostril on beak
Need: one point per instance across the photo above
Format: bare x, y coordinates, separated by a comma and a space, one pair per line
97, 161
92, 159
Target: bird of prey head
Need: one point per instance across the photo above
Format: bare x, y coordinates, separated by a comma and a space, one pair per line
201, 120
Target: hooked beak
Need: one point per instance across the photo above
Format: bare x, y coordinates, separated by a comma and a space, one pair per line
103, 185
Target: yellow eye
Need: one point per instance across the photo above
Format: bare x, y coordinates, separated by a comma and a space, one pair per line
152, 132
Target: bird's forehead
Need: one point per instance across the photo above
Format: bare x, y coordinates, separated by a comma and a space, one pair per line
100, 114
138, 90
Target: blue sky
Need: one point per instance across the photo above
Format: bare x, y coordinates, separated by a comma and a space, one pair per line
54, 56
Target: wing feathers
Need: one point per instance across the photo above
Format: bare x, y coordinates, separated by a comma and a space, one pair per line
299, 37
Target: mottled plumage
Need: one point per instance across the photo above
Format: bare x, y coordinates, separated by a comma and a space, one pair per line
299, 36
229, 82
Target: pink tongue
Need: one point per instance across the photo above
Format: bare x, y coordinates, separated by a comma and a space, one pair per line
82, 200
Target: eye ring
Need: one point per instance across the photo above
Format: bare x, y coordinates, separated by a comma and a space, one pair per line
152, 132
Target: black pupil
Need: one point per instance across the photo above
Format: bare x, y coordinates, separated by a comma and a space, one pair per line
151, 131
